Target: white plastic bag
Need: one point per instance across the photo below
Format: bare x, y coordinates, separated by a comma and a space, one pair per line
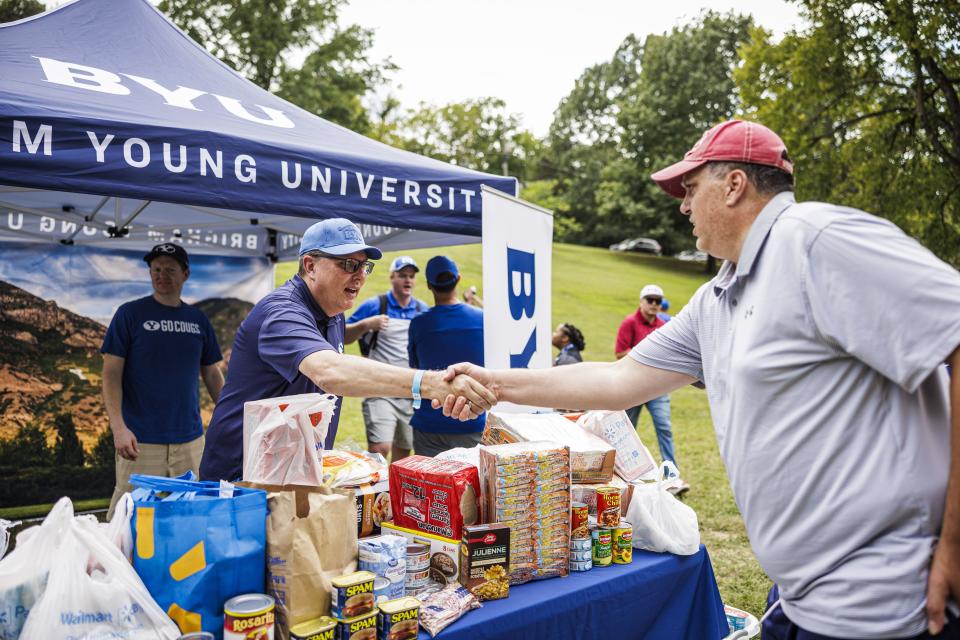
23, 573
110, 602
118, 530
633, 460
283, 439
660, 521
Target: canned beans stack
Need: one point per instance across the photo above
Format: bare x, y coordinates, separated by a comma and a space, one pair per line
418, 568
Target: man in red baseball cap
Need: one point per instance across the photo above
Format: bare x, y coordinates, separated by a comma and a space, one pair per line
838, 423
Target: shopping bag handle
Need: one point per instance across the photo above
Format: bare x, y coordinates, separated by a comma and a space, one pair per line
174, 485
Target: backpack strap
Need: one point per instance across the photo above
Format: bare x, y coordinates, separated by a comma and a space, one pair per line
376, 334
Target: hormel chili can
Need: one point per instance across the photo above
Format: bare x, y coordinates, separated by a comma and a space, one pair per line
579, 513
608, 507
248, 616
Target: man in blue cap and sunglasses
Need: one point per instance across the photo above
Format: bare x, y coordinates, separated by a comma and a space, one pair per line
292, 343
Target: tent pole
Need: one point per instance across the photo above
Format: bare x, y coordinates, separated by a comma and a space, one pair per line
87, 218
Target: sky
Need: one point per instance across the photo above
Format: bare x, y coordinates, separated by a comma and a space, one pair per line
529, 53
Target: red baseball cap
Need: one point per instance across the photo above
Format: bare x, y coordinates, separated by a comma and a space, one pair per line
732, 141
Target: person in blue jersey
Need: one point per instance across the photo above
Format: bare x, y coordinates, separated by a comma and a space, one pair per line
451, 331
385, 320
292, 343
155, 351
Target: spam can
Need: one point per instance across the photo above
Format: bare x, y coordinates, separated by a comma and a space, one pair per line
608, 507
322, 628
398, 619
352, 595
362, 627
579, 513
249, 616
602, 547
623, 543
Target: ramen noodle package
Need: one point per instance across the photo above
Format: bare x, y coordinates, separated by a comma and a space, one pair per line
441, 609
434, 496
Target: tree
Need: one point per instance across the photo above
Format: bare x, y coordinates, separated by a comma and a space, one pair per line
67, 451
11, 10
867, 99
26, 449
104, 454
685, 86
262, 38
477, 134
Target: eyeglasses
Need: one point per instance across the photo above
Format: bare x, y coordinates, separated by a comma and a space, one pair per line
656, 301
352, 266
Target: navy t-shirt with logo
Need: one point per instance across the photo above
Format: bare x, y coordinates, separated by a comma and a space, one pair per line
282, 329
163, 349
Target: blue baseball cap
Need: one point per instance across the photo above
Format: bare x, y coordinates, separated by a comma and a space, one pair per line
337, 237
401, 262
441, 270
170, 250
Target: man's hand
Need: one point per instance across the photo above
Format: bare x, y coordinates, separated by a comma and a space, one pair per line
943, 582
125, 443
377, 323
466, 397
456, 406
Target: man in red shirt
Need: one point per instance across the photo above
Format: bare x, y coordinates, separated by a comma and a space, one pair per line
633, 329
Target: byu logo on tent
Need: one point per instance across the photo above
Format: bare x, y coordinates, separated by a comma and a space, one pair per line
151, 325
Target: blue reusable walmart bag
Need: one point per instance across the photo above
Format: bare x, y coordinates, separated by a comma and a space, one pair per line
196, 546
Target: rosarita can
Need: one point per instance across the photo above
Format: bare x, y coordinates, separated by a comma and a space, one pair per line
623, 543
608, 507
602, 547
249, 616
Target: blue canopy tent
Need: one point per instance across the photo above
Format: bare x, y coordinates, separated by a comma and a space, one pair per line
118, 131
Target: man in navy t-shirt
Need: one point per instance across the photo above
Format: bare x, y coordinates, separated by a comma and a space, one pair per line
292, 343
448, 333
154, 352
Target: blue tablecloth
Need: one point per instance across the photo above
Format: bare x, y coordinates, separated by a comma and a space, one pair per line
657, 597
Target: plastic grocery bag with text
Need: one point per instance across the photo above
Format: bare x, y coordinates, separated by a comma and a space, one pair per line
660, 521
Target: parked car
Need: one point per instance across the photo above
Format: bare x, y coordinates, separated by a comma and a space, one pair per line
692, 255
641, 245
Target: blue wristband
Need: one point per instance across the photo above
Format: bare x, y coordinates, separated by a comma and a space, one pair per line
417, 378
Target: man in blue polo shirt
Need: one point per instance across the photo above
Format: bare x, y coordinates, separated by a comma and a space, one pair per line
292, 343
449, 332
154, 352
387, 317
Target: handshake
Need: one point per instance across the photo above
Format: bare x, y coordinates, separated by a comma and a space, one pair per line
463, 391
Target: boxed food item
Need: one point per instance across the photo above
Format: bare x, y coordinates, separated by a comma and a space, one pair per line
591, 458
587, 493
373, 507
633, 460
526, 486
385, 556
485, 560
444, 564
434, 496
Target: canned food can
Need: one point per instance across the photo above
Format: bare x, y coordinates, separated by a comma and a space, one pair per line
362, 627
399, 619
585, 565
579, 514
417, 579
381, 589
602, 547
418, 557
352, 595
249, 616
623, 543
322, 628
608, 507
581, 544
197, 635
580, 556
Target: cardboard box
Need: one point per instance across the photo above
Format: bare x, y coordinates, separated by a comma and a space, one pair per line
373, 507
485, 561
444, 552
591, 459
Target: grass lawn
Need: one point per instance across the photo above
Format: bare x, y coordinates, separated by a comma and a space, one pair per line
595, 289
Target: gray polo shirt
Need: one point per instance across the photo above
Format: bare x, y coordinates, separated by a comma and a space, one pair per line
822, 351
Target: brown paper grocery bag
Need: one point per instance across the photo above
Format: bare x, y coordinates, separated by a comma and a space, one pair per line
311, 539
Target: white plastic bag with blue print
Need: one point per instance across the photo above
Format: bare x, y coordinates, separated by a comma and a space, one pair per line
108, 602
661, 522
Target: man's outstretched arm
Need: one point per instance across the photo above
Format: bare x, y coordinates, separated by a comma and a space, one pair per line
944, 580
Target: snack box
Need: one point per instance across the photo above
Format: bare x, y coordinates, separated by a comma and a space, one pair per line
444, 552
434, 496
373, 507
591, 459
485, 560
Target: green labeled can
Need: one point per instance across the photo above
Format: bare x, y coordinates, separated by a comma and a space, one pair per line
602, 547
623, 543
